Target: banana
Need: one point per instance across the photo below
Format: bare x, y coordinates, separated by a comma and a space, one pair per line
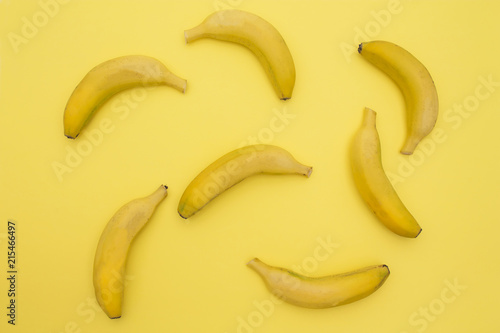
321, 292
415, 83
110, 78
111, 255
372, 182
231, 169
256, 34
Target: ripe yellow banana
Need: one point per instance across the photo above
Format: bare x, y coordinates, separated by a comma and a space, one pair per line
110, 78
415, 83
372, 182
321, 292
231, 169
256, 34
111, 255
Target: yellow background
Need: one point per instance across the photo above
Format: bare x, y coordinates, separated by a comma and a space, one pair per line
190, 276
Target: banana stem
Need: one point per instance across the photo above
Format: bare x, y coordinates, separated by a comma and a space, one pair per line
194, 33
176, 82
410, 145
369, 118
258, 266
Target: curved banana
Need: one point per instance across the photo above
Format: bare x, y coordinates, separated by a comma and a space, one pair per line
231, 169
321, 292
111, 255
414, 81
372, 182
110, 78
256, 34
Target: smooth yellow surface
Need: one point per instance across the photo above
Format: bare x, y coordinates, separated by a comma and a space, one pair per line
190, 276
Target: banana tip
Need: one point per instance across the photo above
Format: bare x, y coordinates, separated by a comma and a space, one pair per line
360, 48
